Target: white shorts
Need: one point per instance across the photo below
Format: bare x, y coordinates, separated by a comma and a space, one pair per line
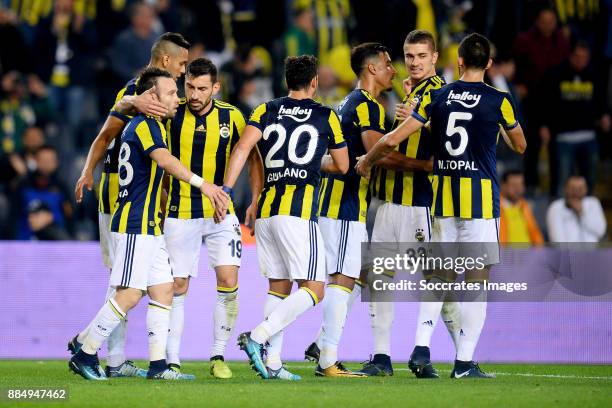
184, 242
107, 243
140, 261
343, 245
460, 236
290, 248
400, 223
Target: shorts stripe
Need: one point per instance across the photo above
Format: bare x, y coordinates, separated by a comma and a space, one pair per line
125, 261
129, 260
312, 265
428, 222
344, 229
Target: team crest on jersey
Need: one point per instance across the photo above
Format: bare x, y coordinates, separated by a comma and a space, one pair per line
298, 114
420, 235
465, 99
224, 130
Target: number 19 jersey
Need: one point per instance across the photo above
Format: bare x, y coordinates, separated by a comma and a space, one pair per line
296, 135
465, 119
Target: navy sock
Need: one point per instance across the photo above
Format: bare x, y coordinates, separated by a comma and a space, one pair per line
157, 366
421, 351
382, 359
83, 357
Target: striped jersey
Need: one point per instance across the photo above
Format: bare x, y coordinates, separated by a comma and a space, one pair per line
410, 188
109, 185
346, 196
296, 135
138, 204
465, 119
203, 144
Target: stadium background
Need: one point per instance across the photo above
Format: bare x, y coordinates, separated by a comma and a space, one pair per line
62, 62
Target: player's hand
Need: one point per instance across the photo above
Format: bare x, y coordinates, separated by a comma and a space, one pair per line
407, 86
149, 104
218, 198
362, 167
86, 180
250, 216
403, 112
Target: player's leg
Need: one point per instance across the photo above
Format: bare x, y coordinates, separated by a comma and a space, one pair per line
343, 267
482, 238
300, 246
382, 313
129, 276
183, 240
224, 245
279, 290
160, 289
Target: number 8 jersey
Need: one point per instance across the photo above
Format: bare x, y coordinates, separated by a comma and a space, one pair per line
296, 135
465, 119
138, 206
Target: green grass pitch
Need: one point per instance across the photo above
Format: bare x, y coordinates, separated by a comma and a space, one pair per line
516, 385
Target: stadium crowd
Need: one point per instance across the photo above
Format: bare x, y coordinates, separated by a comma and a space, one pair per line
62, 63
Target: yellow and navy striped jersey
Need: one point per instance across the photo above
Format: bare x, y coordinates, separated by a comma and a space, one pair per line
138, 206
109, 185
203, 144
346, 196
296, 135
465, 119
410, 188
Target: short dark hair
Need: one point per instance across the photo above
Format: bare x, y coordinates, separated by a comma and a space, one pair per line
580, 43
509, 173
148, 78
421, 37
159, 46
361, 53
475, 49
46, 147
299, 71
202, 66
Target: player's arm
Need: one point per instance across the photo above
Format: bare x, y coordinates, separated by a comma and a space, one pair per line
336, 162
240, 154
256, 177
394, 160
515, 139
146, 103
387, 144
172, 165
512, 132
110, 130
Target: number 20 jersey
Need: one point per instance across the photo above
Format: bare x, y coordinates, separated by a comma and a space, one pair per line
295, 136
465, 119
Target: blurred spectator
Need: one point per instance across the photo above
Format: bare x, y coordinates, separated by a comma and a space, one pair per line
570, 115
536, 51
517, 223
13, 48
33, 139
131, 50
329, 93
42, 223
44, 185
64, 47
578, 17
23, 104
299, 38
576, 217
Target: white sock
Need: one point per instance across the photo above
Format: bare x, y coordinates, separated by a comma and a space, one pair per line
354, 295
429, 313
116, 340
177, 320
275, 346
335, 307
226, 311
110, 293
381, 317
158, 321
451, 314
284, 314
108, 318
473, 316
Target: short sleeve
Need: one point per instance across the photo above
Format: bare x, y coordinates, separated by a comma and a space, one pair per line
258, 116
336, 138
371, 116
238, 124
422, 111
508, 113
151, 135
113, 112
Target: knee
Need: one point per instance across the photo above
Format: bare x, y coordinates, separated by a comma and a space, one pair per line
228, 282
180, 286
